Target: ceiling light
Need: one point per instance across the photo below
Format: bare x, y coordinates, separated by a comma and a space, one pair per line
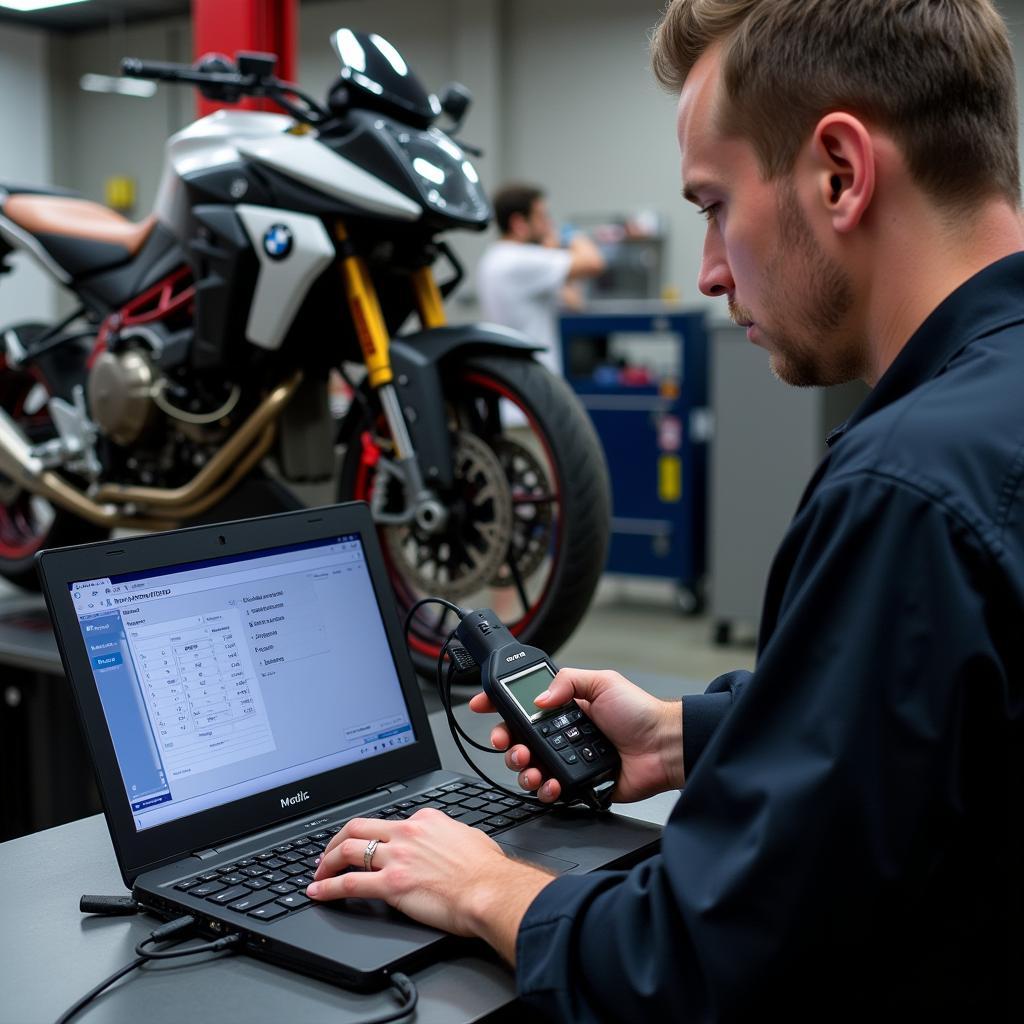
123, 86
37, 5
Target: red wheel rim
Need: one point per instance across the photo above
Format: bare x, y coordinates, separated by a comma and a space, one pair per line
362, 491
21, 534
20, 537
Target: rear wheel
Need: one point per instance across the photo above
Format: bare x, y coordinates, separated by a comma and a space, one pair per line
28, 522
528, 514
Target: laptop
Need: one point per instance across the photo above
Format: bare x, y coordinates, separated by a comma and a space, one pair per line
244, 690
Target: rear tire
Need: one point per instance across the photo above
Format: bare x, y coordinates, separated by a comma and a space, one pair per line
560, 497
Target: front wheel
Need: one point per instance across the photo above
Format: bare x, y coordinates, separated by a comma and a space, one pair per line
528, 514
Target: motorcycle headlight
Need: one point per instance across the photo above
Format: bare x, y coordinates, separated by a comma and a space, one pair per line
446, 178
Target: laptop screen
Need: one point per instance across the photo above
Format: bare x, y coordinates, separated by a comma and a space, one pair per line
224, 678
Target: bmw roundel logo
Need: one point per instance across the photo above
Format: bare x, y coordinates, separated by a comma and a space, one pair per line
277, 241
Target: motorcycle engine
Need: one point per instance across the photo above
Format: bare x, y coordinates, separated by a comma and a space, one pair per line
120, 394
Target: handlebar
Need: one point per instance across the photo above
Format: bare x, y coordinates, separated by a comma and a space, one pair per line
220, 80
158, 70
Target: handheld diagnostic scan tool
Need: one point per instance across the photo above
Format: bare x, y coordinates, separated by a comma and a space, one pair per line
563, 742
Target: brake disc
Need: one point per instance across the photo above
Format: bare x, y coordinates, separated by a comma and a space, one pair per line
532, 518
469, 552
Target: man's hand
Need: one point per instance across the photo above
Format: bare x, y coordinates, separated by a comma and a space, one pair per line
647, 732
436, 870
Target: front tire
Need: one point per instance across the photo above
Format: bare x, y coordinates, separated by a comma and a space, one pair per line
531, 545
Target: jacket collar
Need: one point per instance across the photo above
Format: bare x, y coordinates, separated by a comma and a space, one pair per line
990, 300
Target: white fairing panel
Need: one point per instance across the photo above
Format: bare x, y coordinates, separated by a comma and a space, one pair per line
227, 136
305, 159
207, 143
293, 249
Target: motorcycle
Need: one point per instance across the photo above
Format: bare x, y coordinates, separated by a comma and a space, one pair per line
284, 247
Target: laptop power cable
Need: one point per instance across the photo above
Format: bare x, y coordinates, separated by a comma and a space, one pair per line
177, 931
169, 932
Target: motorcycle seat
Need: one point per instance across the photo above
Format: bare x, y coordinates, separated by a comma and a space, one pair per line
82, 236
11, 188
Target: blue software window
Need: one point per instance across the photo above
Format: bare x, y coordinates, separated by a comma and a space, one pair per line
225, 678
137, 751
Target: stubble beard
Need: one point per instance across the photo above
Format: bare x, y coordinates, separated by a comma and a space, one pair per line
812, 294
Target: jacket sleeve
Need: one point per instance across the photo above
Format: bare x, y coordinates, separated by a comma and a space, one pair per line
834, 764
704, 712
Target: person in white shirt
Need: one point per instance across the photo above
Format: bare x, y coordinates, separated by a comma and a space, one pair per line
523, 277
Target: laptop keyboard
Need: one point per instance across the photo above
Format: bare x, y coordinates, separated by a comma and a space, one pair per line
270, 884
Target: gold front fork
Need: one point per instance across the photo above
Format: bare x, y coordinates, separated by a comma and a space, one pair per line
372, 332
364, 305
428, 298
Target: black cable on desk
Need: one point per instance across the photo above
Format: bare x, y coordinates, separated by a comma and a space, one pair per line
401, 984
162, 934
93, 993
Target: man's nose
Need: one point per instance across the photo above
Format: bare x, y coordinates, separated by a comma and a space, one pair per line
715, 276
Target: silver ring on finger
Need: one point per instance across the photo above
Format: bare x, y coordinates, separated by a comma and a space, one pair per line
371, 849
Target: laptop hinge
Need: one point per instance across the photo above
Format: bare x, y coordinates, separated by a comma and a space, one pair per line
206, 854
395, 788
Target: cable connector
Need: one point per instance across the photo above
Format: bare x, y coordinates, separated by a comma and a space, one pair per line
462, 659
166, 931
108, 906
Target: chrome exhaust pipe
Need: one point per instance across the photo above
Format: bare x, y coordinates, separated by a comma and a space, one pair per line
171, 501
16, 458
248, 444
27, 470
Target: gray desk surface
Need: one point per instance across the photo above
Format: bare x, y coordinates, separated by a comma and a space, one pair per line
50, 954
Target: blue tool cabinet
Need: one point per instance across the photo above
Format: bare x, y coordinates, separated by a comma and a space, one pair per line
654, 428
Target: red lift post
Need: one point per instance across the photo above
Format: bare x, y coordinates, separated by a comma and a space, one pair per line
226, 26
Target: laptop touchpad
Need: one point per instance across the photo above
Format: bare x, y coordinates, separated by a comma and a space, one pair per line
541, 860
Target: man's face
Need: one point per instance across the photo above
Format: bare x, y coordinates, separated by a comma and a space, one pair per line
760, 250
539, 225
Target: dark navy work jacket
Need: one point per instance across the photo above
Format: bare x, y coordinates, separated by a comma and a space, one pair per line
848, 845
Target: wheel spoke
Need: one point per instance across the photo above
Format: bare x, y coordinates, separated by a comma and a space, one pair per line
517, 578
440, 619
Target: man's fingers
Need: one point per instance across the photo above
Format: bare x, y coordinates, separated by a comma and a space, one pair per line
481, 704
500, 738
532, 780
363, 885
550, 791
517, 758
362, 828
350, 853
579, 683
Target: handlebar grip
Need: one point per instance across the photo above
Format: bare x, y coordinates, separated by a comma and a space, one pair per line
163, 71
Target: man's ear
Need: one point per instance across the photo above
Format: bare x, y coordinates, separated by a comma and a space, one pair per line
843, 153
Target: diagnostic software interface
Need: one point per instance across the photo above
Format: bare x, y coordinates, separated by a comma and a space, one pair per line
225, 678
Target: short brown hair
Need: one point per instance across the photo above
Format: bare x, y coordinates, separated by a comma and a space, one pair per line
517, 198
937, 74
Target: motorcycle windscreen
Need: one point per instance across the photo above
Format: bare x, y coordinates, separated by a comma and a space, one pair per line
371, 65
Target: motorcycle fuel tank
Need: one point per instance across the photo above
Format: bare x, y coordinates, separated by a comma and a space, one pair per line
229, 136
